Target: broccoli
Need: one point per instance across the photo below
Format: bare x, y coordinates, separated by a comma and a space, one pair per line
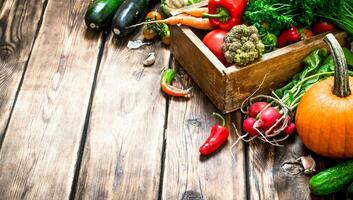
242, 45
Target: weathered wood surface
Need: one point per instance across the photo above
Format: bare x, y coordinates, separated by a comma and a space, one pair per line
186, 174
40, 148
122, 155
19, 20
275, 174
125, 140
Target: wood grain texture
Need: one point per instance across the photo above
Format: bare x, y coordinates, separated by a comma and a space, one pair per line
39, 152
122, 155
186, 174
198, 61
272, 174
18, 24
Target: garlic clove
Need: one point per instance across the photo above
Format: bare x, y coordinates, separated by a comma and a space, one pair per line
308, 164
151, 58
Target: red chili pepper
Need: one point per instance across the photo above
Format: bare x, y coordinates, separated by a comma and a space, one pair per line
218, 136
288, 37
167, 77
322, 27
225, 13
305, 33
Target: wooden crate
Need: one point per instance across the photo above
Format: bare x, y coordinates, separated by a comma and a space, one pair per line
228, 87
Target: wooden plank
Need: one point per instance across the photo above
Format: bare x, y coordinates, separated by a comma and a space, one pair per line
186, 174
19, 22
273, 174
122, 156
40, 150
269, 175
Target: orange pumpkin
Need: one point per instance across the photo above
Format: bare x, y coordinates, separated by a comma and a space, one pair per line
324, 116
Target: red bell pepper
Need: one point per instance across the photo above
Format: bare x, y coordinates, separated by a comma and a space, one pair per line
288, 37
218, 136
225, 13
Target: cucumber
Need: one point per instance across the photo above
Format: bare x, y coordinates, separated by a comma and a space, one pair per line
332, 180
130, 12
100, 12
350, 190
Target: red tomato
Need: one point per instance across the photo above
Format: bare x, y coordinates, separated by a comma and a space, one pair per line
305, 33
214, 41
322, 27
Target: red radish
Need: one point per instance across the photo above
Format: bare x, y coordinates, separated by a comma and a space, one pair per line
248, 126
290, 129
256, 108
288, 118
269, 117
275, 129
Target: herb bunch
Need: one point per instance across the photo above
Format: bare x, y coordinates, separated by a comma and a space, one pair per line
275, 15
318, 66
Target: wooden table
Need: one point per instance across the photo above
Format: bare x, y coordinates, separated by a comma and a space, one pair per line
80, 117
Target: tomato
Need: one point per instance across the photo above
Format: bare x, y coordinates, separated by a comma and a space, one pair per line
166, 39
322, 27
153, 15
149, 34
214, 41
305, 33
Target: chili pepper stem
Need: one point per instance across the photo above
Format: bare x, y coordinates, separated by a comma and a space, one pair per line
221, 117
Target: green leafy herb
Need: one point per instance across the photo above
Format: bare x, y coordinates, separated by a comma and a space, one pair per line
268, 15
319, 66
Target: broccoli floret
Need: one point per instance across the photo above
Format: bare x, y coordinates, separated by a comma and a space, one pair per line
242, 45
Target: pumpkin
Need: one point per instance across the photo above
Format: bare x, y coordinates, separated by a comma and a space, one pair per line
324, 117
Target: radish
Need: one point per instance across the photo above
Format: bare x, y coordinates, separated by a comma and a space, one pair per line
275, 129
248, 126
269, 117
256, 108
290, 129
266, 121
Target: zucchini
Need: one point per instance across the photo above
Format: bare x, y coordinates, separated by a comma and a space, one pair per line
130, 13
100, 12
350, 190
332, 180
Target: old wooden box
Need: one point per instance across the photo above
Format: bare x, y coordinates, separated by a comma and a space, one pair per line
228, 87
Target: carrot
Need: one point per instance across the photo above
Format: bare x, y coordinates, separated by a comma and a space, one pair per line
183, 19
196, 12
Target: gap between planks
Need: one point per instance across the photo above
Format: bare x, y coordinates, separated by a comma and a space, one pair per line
164, 146
104, 36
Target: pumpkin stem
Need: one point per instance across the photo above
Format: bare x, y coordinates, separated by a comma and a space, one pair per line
341, 78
